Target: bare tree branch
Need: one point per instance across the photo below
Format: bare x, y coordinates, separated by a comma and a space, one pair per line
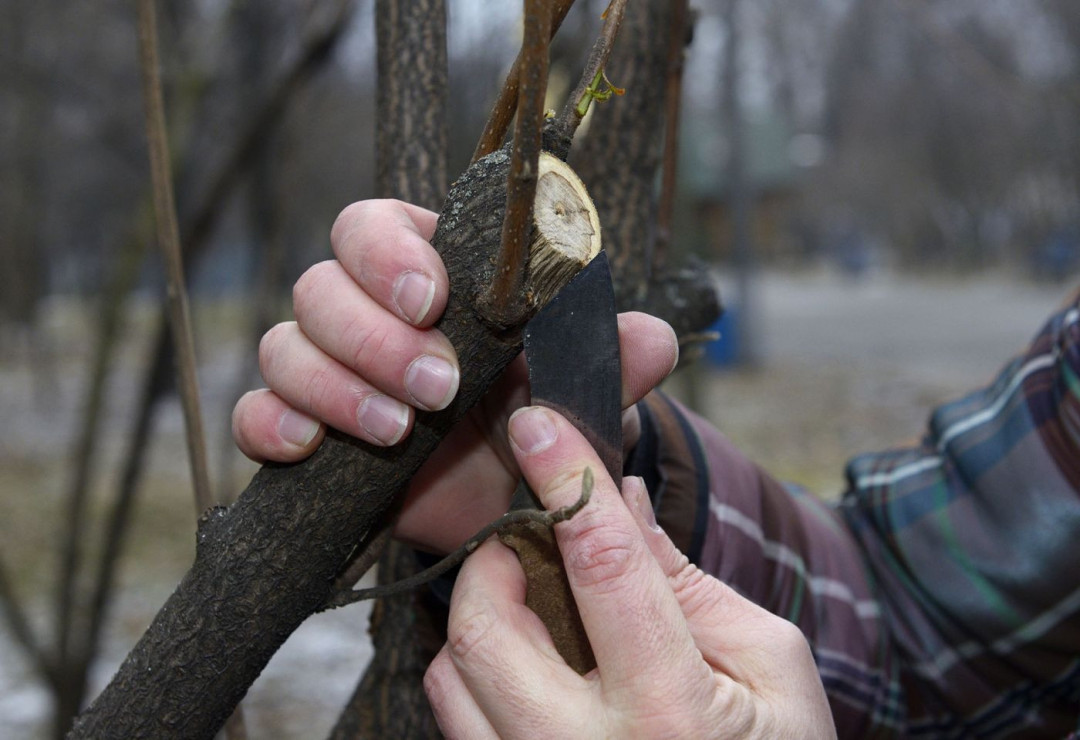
168, 234
677, 39
21, 629
525, 155
502, 112
592, 75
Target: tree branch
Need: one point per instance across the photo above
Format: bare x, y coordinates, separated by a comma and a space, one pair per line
270, 560
506, 288
508, 522
168, 233
502, 112
410, 135
665, 213
578, 103
20, 627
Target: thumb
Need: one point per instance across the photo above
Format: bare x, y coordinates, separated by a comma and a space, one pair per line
726, 627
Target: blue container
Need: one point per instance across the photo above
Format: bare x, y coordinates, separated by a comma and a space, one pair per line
724, 352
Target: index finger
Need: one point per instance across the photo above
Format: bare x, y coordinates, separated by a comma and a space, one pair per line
384, 245
627, 606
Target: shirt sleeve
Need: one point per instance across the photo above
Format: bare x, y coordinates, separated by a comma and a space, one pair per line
972, 542
941, 597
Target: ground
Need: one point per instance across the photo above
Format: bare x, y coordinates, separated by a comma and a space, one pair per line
845, 367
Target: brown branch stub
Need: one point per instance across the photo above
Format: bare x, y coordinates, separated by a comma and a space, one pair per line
505, 297
502, 112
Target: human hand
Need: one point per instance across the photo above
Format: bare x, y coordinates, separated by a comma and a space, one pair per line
362, 356
678, 653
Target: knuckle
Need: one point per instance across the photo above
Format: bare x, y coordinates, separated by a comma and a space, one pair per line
437, 681
790, 640
602, 555
239, 419
270, 347
367, 342
318, 390
735, 703
469, 635
310, 287
698, 592
348, 220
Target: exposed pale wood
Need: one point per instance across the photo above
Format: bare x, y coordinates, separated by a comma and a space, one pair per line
566, 233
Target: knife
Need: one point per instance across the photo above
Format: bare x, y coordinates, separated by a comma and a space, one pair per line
572, 351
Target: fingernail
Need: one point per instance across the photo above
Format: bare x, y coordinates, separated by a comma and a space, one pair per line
383, 418
296, 428
532, 429
432, 382
413, 294
640, 496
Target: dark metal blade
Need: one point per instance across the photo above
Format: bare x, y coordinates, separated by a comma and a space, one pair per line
572, 348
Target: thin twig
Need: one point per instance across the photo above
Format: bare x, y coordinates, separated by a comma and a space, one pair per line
84, 459
169, 239
502, 112
665, 213
969, 58
521, 182
368, 554
21, 629
243, 153
511, 520
316, 48
578, 103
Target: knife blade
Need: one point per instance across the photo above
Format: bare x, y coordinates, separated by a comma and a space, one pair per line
572, 351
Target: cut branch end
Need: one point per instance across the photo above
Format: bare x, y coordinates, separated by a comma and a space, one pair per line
566, 234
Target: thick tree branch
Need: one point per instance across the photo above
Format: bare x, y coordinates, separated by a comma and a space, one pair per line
410, 137
266, 563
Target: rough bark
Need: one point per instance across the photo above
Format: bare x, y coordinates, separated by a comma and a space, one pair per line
410, 141
266, 563
410, 164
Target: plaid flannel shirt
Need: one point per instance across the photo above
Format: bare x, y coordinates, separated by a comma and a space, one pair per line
941, 596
